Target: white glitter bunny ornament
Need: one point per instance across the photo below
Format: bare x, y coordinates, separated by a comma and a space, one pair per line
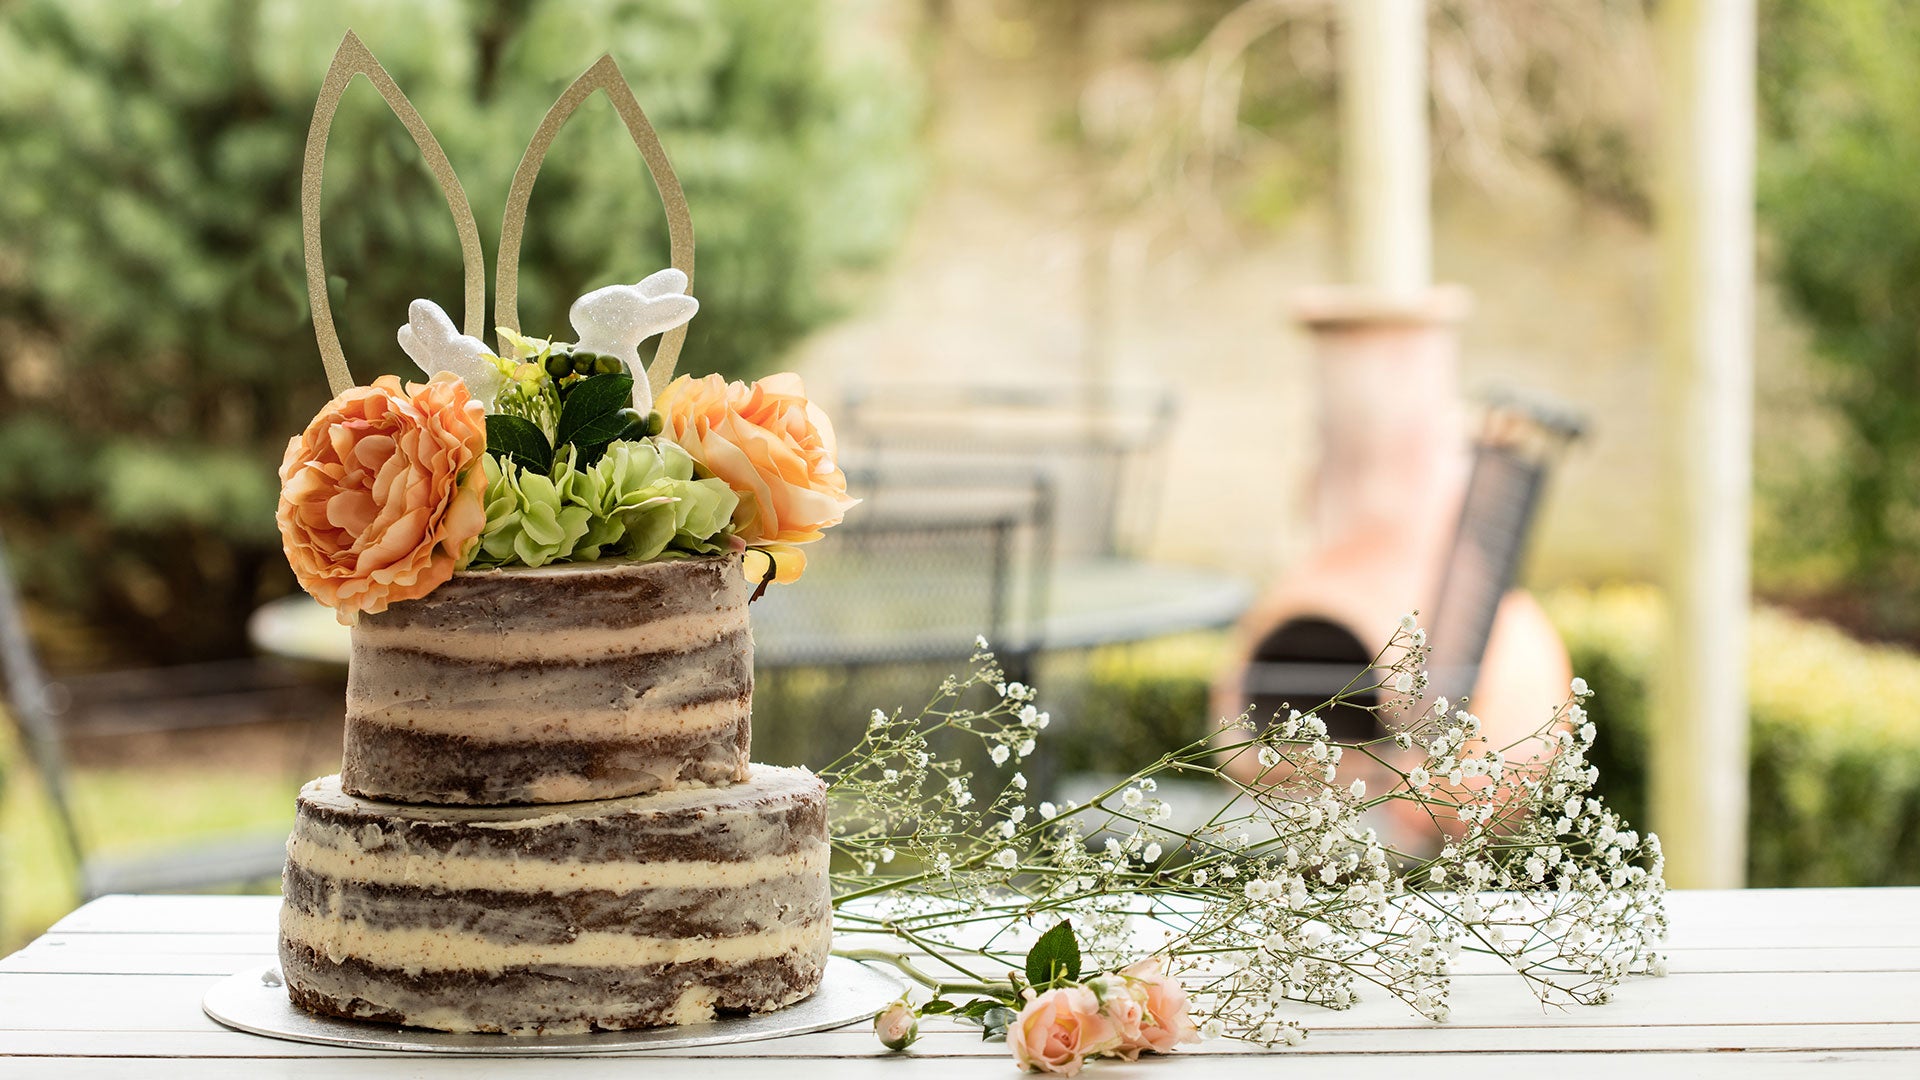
436, 345
616, 319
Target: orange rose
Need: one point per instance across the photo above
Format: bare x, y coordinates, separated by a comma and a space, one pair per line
1056, 1032
771, 445
383, 494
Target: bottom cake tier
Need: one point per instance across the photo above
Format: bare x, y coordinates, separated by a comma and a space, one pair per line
622, 913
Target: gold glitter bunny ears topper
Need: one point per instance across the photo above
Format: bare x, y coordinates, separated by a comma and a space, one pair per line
354, 58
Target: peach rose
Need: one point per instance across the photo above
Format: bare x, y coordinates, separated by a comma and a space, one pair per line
770, 444
1059, 1030
1166, 1024
1124, 1004
383, 494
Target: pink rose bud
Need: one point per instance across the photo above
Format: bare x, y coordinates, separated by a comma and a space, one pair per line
896, 1026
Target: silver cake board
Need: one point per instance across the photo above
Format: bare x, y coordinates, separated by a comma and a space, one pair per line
255, 1001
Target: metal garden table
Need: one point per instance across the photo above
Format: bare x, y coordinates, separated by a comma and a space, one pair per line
1091, 602
1822, 982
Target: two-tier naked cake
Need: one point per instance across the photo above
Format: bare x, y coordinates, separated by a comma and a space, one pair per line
545, 821
452, 877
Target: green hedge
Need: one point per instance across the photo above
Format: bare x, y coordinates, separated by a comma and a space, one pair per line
1835, 744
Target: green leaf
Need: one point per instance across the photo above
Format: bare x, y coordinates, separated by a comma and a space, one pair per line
936, 1007
1055, 958
590, 416
519, 440
993, 1025
979, 1007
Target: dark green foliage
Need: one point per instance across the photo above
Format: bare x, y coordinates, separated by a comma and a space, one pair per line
520, 441
1841, 104
1054, 959
594, 414
155, 350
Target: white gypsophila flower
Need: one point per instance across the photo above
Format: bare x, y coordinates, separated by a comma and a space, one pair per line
1047, 811
1017, 814
890, 775
1403, 740
1403, 683
1007, 859
1029, 716
1132, 797
1151, 854
1025, 747
887, 854
878, 718
1212, 1029
1359, 789
1419, 637
1417, 779
1007, 829
1579, 687
1200, 878
1269, 757
1019, 781
999, 754
980, 642
1409, 622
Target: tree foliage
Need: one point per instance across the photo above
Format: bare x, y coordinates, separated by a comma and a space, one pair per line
1841, 97
155, 345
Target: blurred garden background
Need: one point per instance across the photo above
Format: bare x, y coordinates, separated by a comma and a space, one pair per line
1105, 193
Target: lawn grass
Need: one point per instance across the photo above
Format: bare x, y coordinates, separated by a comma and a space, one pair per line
122, 809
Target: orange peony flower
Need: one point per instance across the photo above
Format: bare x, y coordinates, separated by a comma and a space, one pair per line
383, 494
1056, 1032
770, 444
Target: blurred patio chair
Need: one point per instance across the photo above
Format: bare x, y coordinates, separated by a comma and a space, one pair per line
191, 696
1311, 660
1097, 446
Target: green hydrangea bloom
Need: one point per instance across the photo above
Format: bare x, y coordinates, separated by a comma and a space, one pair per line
705, 507
529, 521
630, 498
642, 500
645, 498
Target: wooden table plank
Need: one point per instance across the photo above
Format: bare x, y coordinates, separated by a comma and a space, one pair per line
1793, 978
70, 1002
856, 1041
1834, 1065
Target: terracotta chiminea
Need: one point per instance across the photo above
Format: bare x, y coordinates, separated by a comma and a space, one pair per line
1386, 504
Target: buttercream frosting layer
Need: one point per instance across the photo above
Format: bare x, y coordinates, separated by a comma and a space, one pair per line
555, 684
617, 913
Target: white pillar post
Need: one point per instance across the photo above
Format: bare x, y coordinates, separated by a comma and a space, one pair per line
1705, 215
1383, 141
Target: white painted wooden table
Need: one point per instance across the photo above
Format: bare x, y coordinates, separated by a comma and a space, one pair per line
1763, 984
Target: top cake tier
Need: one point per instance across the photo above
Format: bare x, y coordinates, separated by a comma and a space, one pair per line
584, 681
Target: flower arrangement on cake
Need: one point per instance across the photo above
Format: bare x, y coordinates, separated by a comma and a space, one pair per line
557, 453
